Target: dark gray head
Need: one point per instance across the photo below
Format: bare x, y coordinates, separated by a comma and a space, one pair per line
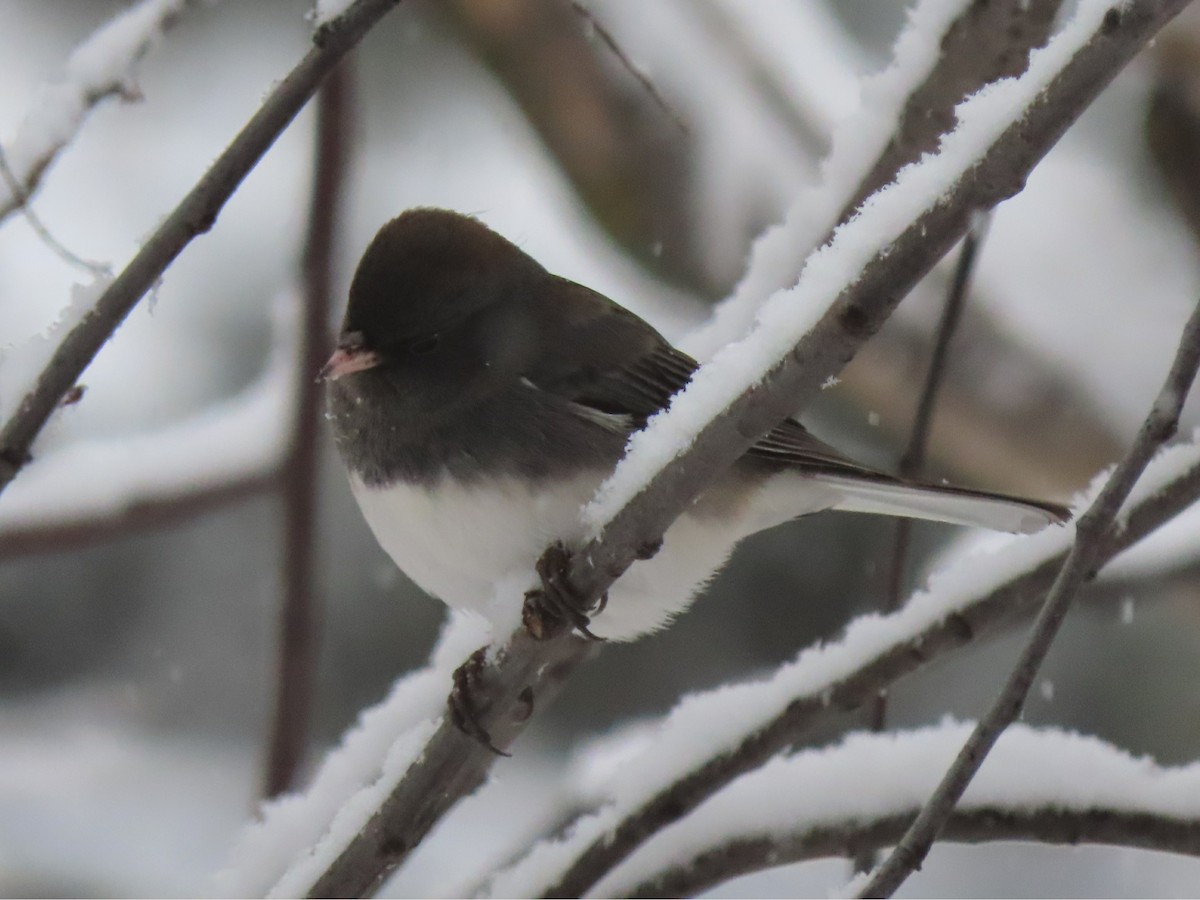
437, 295
428, 269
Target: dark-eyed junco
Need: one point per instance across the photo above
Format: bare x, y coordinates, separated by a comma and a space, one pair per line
478, 401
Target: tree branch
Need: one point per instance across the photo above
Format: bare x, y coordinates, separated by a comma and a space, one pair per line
727, 30
606, 38
297, 650
527, 677
195, 214
159, 510
1048, 824
628, 161
912, 462
846, 808
987, 42
1092, 531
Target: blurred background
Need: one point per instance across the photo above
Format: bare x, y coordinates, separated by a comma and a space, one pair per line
137, 656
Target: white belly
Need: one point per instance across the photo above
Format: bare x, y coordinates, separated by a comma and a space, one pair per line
472, 540
457, 541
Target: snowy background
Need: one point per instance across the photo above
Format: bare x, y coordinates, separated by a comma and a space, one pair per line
136, 672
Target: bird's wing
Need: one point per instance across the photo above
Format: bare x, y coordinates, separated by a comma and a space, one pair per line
619, 366
621, 370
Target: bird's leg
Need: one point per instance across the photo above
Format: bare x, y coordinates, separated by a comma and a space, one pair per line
556, 605
463, 703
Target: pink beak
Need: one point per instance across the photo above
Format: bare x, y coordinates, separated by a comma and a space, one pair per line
348, 359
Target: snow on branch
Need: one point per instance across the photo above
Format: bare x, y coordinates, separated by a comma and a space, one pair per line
100, 67
1042, 785
228, 450
858, 147
351, 781
948, 50
194, 215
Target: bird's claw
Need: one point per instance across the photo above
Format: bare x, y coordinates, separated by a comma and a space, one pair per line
463, 701
556, 605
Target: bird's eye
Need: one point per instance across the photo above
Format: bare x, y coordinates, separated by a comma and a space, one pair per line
424, 345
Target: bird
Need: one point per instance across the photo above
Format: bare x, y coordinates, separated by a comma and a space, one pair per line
477, 402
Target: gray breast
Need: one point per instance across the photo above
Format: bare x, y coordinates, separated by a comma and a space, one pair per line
385, 436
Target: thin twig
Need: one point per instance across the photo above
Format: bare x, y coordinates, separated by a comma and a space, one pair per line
912, 462
21, 198
642, 78
297, 650
195, 215
1092, 531
725, 28
1049, 824
160, 510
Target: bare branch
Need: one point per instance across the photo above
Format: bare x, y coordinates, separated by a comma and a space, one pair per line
195, 214
1060, 805
297, 650
244, 440
912, 462
159, 510
628, 162
1015, 445
65, 253
641, 77
970, 825
1093, 530
726, 29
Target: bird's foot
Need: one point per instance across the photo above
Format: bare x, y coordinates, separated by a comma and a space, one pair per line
556, 605
463, 701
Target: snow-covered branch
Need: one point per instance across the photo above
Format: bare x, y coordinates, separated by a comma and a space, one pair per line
195, 214
851, 285
102, 66
223, 453
1047, 786
408, 801
339, 797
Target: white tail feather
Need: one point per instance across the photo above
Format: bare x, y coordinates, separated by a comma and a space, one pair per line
953, 505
